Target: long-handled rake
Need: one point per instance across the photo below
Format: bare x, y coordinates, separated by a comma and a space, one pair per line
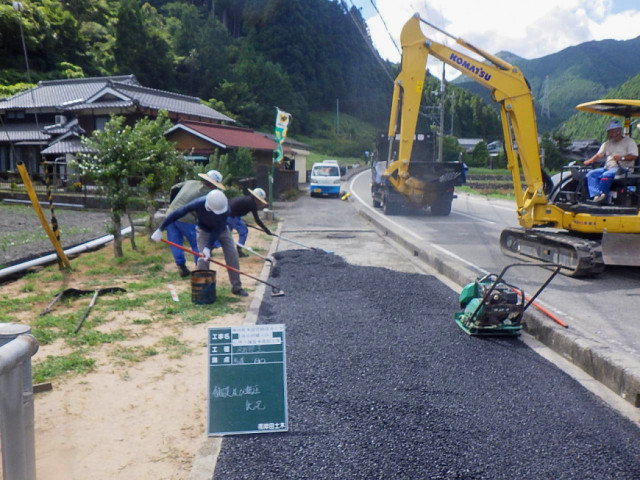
275, 291
250, 250
291, 241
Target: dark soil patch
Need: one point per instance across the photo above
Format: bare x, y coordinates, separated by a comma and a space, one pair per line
23, 238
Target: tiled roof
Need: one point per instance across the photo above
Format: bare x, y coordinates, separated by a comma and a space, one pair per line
115, 104
23, 132
71, 145
288, 141
73, 94
226, 136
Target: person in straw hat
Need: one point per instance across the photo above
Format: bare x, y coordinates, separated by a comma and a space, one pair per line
185, 228
241, 206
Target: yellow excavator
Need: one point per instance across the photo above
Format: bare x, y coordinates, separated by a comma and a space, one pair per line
559, 225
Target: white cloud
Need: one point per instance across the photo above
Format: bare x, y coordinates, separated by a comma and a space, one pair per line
528, 29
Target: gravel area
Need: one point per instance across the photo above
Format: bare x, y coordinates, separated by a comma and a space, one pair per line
23, 238
383, 384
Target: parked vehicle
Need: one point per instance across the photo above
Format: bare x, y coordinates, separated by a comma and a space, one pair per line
430, 183
325, 178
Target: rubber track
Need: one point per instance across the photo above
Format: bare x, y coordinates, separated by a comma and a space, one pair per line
588, 252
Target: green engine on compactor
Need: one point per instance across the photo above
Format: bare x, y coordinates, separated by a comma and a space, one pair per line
490, 308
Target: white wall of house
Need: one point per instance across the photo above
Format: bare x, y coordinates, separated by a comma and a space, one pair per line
300, 157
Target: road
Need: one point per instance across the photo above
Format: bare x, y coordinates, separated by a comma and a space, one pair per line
382, 383
599, 308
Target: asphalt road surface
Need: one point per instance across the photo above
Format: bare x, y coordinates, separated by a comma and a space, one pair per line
383, 384
599, 308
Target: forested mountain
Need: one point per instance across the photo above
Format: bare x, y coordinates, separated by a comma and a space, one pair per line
575, 75
312, 58
584, 125
244, 56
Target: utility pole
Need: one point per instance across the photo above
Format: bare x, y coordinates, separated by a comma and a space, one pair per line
453, 97
545, 110
337, 116
441, 145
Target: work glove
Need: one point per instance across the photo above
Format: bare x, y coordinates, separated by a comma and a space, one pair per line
157, 235
206, 253
267, 231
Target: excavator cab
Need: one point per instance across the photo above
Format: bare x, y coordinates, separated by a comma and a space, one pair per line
570, 186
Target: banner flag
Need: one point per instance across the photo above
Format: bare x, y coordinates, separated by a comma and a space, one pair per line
282, 122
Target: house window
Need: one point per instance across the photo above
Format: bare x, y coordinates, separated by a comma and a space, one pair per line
15, 115
197, 159
100, 122
5, 159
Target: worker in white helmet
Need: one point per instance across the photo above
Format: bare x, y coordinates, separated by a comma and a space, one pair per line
211, 211
241, 206
185, 227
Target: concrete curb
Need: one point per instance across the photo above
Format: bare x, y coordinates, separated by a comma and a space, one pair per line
617, 370
205, 462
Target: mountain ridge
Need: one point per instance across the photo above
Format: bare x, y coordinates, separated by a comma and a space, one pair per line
573, 75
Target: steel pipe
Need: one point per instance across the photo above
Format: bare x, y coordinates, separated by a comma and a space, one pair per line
16, 403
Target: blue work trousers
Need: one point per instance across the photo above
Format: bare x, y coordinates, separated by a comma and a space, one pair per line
599, 180
176, 233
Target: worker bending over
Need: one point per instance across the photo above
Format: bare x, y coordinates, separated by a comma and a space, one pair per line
185, 227
211, 211
241, 206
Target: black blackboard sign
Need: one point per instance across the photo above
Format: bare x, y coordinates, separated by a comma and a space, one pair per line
247, 380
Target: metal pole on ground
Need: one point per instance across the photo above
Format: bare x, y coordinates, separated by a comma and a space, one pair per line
62, 258
17, 347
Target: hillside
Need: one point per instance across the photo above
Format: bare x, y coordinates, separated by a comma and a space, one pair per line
231, 53
582, 125
577, 74
234, 56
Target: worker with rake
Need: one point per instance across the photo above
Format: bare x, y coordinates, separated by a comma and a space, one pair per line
211, 211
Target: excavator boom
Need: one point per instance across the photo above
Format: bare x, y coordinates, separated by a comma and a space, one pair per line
576, 239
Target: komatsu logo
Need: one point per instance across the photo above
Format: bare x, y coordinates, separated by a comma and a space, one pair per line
479, 71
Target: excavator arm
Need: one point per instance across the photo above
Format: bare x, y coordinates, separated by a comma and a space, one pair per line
508, 88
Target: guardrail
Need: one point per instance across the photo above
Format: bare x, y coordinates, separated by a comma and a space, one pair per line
17, 435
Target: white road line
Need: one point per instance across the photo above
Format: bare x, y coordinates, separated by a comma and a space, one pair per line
475, 218
442, 249
413, 234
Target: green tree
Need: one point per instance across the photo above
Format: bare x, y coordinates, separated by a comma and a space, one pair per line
141, 46
128, 163
110, 167
479, 156
554, 147
158, 163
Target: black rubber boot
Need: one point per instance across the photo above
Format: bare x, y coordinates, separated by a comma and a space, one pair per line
184, 271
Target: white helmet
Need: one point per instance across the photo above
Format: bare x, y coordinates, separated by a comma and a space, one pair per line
259, 194
216, 202
214, 177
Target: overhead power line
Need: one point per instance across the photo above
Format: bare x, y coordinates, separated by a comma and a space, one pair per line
366, 39
385, 27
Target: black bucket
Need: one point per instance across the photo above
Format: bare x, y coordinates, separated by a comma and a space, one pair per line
203, 287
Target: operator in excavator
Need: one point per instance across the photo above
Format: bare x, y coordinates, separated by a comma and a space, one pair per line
620, 152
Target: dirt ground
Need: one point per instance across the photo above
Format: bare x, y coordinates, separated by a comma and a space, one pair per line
23, 238
131, 420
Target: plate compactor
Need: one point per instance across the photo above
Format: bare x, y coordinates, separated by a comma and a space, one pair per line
494, 307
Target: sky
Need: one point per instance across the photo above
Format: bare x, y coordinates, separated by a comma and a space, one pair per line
529, 29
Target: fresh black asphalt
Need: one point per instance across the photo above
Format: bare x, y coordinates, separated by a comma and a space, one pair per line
382, 384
